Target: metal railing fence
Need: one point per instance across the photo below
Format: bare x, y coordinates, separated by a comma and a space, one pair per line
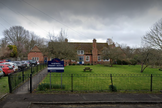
99, 82
18, 78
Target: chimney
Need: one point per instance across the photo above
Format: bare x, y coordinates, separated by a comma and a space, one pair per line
94, 52
94, 43
66, 40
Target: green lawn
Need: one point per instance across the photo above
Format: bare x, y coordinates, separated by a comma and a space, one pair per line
3, 86
123, 77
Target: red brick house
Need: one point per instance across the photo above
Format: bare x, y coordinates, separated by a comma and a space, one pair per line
88, 53
36, 54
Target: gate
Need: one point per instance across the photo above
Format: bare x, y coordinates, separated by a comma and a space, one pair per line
21, 82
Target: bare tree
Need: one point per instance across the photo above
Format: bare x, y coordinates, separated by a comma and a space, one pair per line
59, 48
145, 57
129, 53
112, 52
34, 40
154, 36
17, 36
3, 48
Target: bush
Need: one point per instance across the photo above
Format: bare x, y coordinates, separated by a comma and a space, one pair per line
133, 62
125, 62
112, 88
45, 86
73, 63
119, 62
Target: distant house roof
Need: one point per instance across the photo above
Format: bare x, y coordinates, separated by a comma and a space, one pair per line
87, 47
35, 49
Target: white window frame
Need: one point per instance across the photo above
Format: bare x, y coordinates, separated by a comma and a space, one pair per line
87, 58
73, 60
99, 58
80, 52
35, 58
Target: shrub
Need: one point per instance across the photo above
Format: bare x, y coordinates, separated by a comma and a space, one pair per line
112, 88
73, 63
133, 62
119, 62
125, 62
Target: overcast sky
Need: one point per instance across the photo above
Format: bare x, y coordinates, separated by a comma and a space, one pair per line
124, 21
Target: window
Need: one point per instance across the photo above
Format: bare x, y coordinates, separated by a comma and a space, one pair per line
80, 52
73, 60
106, 60
99, 58
87, 58
35, 58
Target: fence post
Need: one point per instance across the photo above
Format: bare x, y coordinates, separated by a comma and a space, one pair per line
111, 81
37, 68
31, 69
9, 83
151, 84
71, 82
23, 74
30, 83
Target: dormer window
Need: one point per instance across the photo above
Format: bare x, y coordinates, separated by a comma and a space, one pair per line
80, 52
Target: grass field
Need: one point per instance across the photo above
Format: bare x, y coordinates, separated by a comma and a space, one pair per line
123, 77
3, 85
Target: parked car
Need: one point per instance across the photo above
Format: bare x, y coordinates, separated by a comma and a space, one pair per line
26, 62
6, 69
1, 72
14, 65
33, 62
20, 65
2, 61
38, 63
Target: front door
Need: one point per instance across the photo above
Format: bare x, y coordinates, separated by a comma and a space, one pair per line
45, 59
81, 59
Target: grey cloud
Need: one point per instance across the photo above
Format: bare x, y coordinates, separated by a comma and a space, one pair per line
93, 18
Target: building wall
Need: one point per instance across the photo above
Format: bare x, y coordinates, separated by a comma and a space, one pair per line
35, 54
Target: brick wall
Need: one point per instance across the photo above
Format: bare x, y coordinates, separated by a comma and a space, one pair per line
35, 54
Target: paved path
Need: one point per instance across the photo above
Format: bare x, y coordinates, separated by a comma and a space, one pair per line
35, 81
103, 100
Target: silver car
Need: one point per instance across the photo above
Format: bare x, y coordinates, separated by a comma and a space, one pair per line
1, 72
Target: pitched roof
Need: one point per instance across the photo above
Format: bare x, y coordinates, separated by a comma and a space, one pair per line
87, 47
35, 49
